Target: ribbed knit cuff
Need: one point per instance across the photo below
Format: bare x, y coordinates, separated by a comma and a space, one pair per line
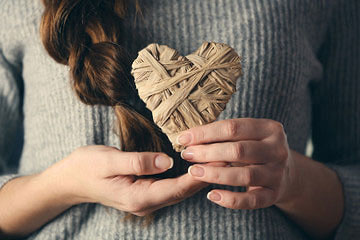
349, 176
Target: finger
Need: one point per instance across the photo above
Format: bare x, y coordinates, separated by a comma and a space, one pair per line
137, 163
177, 200
227, 130
254, 199
157, 207
169, 191
218, 164
250, 152
234, 176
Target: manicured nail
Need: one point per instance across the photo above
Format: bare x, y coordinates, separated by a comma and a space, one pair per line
196, 171
183, 139
187, 154
164, 162
214, 196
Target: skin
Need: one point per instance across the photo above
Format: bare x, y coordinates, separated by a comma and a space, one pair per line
90, 174
237, 152
259, 157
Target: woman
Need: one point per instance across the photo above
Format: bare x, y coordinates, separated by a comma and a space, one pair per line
300, 76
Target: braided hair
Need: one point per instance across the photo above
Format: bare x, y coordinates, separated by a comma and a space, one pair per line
86, 36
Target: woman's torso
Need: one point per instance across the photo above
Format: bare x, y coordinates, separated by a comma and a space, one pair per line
278, 42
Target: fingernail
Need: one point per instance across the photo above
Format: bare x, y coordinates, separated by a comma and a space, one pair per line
196, 171
214, 196
183, 139
187, 154
163, 162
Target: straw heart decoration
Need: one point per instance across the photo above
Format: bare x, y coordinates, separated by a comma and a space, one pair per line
184, 92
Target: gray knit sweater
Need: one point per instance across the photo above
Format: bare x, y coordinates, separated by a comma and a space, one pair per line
301, 64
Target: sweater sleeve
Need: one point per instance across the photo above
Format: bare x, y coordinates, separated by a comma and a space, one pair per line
336, 110
10, 120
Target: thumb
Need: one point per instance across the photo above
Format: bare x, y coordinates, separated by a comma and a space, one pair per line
138, 163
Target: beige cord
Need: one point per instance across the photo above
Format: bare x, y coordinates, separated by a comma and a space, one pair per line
184, 92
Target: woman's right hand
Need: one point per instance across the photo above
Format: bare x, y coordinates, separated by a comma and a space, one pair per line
98, 174
107, 176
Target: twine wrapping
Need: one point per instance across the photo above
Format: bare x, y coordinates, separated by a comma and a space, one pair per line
184, 92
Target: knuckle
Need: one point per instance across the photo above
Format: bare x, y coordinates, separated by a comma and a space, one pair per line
234, 203
276, 126
283, 153
247, 176
238, 150
199, 135
135, 207
138, 164
280, 137
277, 176
215, 176
107, 167
80, 152
277, 182
231, 128
275, 196
201, 153
253, 201
180, 194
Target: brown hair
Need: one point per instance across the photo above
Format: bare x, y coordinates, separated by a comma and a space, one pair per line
86, 36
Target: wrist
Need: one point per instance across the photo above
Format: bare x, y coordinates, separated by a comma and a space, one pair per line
43, 201
58, 186
292, 186
314, 199
56, 194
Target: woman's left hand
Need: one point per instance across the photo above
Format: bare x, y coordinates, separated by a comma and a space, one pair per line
257, 154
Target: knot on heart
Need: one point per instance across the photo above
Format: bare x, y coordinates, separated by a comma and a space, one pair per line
185, 92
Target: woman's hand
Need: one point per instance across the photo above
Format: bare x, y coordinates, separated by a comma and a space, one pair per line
98, 174
108, 176
257, 153
259, 158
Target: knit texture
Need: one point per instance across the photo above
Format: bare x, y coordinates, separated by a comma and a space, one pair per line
301, 65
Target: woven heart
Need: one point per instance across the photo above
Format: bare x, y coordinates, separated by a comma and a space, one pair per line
184, 92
